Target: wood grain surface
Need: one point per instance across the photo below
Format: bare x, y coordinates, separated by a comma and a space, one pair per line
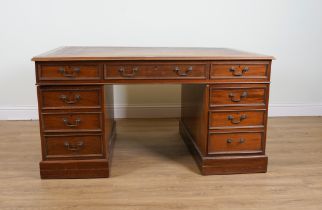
155, 171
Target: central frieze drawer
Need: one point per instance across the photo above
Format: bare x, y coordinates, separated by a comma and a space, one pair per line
70, 97
53, 122
156, 71
233, 119
73, 146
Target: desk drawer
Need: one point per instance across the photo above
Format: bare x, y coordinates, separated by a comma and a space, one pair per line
155, 71
68, 71
237, 96
239, 71
233, 119
70, 97
65, 122
237, 142
73, 146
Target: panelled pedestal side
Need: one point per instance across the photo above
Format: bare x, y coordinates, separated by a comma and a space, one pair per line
224, 122
76, 121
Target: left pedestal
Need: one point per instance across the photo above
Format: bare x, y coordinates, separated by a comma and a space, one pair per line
77, 130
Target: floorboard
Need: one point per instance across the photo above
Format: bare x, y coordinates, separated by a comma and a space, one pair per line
152, 169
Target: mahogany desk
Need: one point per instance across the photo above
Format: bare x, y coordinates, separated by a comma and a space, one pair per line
224, 105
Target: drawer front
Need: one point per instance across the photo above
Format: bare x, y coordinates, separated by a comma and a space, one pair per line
233, 119
239, 71
70, 97
68, 71
72, 122
221, 143
237, 96
85, 146
155, 71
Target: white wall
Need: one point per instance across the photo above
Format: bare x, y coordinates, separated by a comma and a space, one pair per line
288, 29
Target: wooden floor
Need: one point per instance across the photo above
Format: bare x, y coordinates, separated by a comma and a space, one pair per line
152, 169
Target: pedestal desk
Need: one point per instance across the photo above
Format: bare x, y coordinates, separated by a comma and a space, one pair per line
223, 117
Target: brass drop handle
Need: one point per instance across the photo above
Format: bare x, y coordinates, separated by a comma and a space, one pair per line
241, 141
234, 99
68, 124
65, 99
132, 74
74, 72
74, 147
238, 73
234, 121
182, 73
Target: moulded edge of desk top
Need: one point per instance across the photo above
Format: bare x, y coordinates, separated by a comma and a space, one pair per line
146, 54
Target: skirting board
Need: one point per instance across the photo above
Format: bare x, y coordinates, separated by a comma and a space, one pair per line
162, 111
281, 110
